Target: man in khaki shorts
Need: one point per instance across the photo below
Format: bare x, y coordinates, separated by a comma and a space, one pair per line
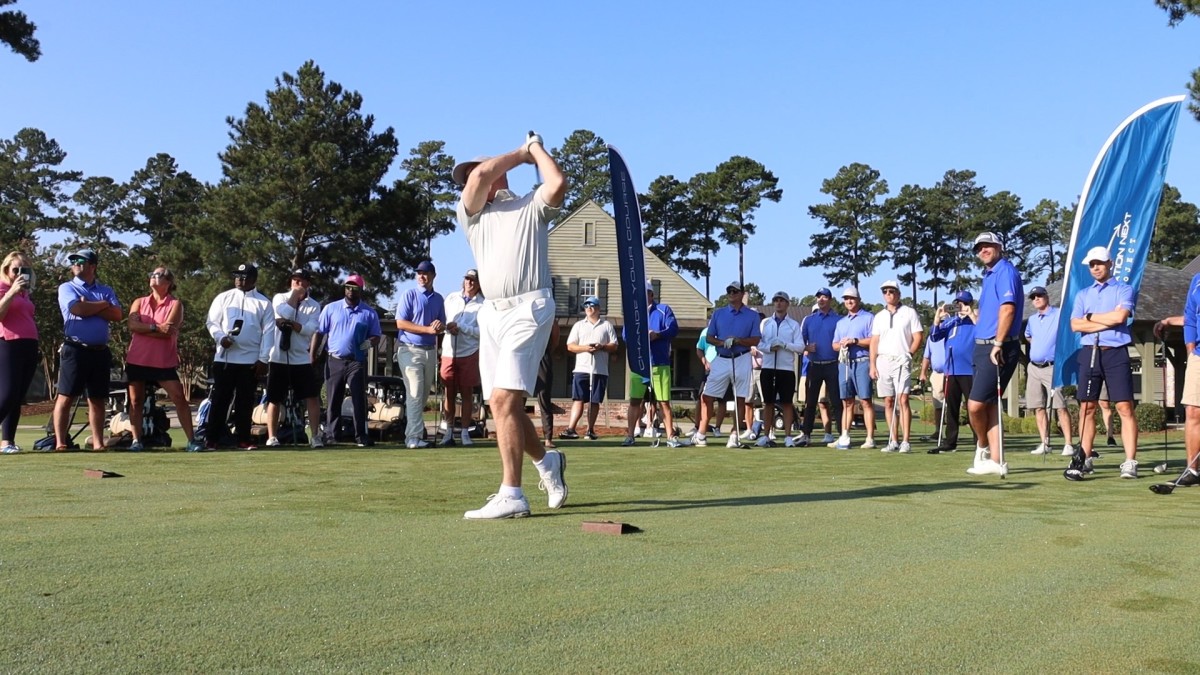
1190, 320
1041, 332
508, 237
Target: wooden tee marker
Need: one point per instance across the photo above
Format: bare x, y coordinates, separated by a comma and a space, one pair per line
609, 527
100, 473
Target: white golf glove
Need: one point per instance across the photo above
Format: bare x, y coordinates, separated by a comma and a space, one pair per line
366, 344
728, 343
532, 138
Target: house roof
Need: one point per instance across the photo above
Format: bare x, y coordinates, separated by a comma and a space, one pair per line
1192, 268
1162, 293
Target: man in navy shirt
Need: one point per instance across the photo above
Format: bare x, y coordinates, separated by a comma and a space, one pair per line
1041, 331
1101, 316
817, 331
421, 318
87, 308
997, 350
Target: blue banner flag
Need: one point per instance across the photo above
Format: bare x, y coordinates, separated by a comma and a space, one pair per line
1117, 209
632, 263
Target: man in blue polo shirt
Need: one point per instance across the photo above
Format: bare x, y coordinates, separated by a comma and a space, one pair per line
997, 351
817, 332
420, 318
1101, 316
1190, 321
733, 330
1041, 332
87, 308
352, 328
852, 341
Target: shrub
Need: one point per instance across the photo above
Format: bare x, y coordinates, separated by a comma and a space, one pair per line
1150, 417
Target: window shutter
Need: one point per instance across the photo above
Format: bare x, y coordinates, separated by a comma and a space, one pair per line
573, 297
602, 293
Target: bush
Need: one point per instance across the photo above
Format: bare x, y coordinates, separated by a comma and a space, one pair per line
1150, 417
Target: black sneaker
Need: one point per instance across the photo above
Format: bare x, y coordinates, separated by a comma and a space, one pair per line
1112, 442
1075, 470
591, 436
940, 449
365, 443
568, 435
1188, 479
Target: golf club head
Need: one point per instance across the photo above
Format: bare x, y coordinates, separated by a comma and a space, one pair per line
1162, 488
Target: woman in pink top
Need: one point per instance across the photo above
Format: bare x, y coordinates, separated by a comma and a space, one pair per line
153, 353
18, 345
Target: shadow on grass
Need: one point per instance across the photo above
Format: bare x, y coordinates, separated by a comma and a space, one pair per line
630, 506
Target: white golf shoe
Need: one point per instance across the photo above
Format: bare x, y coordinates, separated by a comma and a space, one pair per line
1068, 450
554, 482
989, 467
499, 507
1041, 449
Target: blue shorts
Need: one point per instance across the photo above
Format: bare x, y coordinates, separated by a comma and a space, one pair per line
854, 379
84, 369
579, 385
983, 387
1112, 369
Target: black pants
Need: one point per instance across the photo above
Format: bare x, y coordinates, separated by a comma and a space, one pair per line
818, 374
545, 379
340, 373
957, 388
232, 383
18, 362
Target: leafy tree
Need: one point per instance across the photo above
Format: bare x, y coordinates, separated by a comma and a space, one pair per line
168, 206
1176, 240
33, 189
671, 229
1178, 10
583, 159
742, 184
1046, 234
848, 249
957, 212
754, 296
430, 170
302, 187
104, 210
906, 235
707, 206
16, 31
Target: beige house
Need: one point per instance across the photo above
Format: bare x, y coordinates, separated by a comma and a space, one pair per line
583, 262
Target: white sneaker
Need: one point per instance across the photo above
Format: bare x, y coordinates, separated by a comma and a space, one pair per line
981, 455
677, 442
733, 442
554, 482
747, 435
1068, 450
413, 445
868, 444
789, 442
843, 443
466, 438
989, 467
1129, 468
905, 448
700, 441
1041, 449
316, 442
273, 442
890, 447
500, 507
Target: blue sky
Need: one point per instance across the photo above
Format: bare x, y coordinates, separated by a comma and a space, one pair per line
1022, 92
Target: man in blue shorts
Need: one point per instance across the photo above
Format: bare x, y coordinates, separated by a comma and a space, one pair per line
852, 340
592, 340
997, 351
1101, 316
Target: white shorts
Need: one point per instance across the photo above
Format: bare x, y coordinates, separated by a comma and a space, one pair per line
893, 371
513, 333
722, 373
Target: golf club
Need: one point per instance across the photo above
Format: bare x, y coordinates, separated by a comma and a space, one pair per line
946, 375
1081, 453
1163, 344
1168, 488
537, 173
737, 410
1000, 413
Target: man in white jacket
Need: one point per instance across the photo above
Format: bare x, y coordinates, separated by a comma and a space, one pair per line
285, 350
459, 368
236, 320
781, 341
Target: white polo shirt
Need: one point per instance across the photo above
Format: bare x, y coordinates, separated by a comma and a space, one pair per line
895, 331
509, 240
585, 332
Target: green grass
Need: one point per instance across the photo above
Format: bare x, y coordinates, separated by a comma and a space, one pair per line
777, 560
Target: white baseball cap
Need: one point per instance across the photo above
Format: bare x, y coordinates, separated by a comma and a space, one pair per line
850, 292
987, 238
1097, 253
890, 283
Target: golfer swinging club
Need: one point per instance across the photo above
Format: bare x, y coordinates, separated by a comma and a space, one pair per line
508, 237
997, 351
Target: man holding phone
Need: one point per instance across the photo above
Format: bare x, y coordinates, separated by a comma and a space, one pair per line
591, 340
237, 320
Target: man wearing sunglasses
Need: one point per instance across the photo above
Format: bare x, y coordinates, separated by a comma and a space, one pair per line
87, 308
236, 321
352, 328
896, 335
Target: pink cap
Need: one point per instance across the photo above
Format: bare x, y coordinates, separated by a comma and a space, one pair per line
355, 279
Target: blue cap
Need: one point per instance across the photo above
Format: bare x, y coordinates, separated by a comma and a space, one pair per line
825, 292
591, 300
426, 266
964, 296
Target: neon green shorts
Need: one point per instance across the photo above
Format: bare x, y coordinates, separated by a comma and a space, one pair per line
660, 379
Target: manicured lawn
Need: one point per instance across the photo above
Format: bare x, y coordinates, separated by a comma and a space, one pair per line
764, 560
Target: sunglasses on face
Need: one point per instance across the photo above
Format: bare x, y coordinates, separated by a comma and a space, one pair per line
78, 261
893, 291
158, 275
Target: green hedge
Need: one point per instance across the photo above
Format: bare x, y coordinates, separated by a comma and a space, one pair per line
1149, 417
